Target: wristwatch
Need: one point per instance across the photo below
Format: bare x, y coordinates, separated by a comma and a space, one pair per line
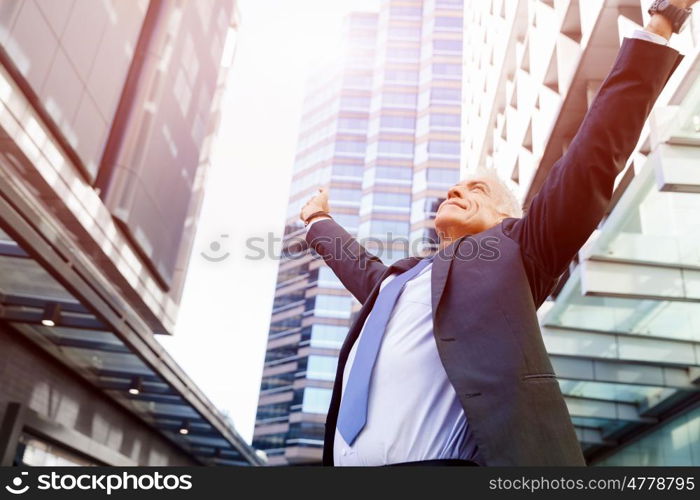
678, 16
311, 217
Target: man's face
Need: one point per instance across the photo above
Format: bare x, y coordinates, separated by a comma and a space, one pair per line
471, 206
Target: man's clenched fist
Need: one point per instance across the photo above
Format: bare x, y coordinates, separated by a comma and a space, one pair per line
318, 203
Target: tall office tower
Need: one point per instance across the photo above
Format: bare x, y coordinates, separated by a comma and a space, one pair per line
311, 310
436, 161
413, 149
107, 110
380, 127
623, 327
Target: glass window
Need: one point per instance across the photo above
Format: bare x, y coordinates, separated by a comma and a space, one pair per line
448, 22
352, 123
277, 381
402, 99
405, 11
448, 3
341, 170
321, 367
403, 53
400, 122
357, 81
327, 278
385, 175
344, 146
444, 147
659, 318
612, 391
348, 221
316, 400
444, 120
443, 176
285, 324
445, 69
405, 33
37, 453
441, 94
447, 45
305, 434
652, 226
394, 76
332, 306
392, 173
282, 302
396, 147
340, 194
384, 228
354, 102
328, 336
674, 442
391, 199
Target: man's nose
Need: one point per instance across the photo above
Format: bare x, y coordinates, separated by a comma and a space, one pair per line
454, 192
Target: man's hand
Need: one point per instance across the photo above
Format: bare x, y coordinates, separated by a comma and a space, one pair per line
318, 203
660, 25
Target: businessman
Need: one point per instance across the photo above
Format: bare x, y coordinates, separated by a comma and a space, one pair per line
445, 363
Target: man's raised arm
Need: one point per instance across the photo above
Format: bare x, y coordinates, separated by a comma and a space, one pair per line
578, 190
357, 269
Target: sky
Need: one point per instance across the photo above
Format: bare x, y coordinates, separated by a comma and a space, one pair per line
224, 316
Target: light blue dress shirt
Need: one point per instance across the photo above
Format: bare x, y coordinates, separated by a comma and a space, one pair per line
413, 412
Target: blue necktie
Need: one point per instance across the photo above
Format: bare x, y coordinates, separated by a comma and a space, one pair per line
352, 415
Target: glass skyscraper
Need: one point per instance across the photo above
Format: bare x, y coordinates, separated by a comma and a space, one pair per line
380, 128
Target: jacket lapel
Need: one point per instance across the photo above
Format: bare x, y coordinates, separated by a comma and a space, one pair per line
441, 269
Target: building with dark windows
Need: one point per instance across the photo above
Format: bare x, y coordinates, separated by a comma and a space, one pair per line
623, 327
381, 129
107, 111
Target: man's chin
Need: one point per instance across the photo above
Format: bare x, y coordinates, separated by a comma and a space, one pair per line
447, 223
454, 226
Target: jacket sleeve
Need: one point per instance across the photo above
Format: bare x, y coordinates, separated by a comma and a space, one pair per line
578, 190
355, 267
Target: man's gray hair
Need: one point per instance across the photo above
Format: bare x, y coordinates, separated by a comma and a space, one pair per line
508, 203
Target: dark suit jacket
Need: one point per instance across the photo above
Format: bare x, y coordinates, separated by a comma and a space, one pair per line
485, 300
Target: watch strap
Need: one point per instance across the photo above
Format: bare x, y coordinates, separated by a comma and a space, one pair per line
311, 217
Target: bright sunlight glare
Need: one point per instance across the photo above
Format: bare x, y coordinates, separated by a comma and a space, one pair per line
224, 317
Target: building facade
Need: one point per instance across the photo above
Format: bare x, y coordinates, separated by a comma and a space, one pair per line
311, 311
623, 327
381, 129
107, 111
